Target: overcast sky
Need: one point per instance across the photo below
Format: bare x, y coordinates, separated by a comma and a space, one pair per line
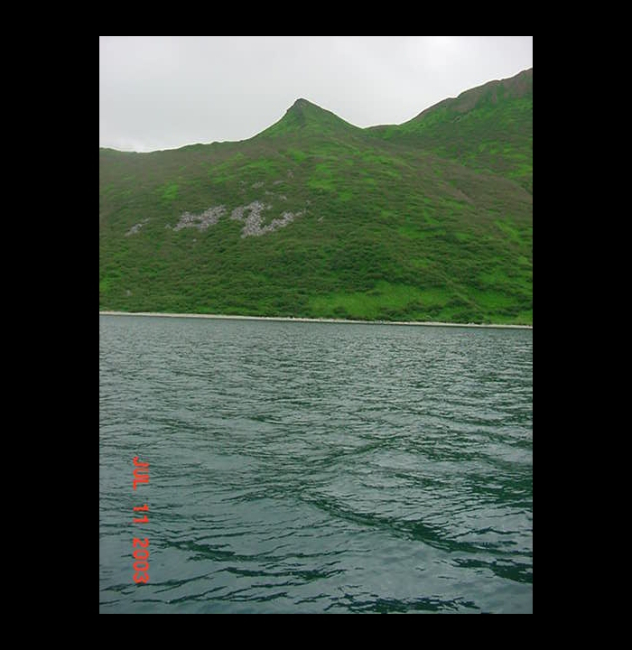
166, 92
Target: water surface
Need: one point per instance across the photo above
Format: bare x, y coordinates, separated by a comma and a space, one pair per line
316, 467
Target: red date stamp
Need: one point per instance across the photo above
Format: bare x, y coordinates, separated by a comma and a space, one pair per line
140, 553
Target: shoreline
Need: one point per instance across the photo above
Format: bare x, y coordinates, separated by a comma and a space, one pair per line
291, 319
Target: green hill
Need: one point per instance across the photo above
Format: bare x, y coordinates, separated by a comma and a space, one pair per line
306, 119
315, 217
487, 128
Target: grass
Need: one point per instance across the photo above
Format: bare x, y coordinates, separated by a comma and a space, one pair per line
386, 301
388, 230
489, 128
170, 192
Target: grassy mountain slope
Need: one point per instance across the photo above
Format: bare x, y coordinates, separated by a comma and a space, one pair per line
306, 119
486, 128
314, 217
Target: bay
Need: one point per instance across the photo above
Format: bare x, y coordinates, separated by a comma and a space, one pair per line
315, 467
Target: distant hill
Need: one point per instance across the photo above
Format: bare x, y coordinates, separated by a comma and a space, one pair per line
486, 128
314, 217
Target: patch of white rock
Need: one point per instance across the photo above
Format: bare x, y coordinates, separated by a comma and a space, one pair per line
250, 215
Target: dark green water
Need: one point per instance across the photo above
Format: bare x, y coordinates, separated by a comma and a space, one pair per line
316, 467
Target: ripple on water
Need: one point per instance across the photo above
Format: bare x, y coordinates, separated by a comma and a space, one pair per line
316, 467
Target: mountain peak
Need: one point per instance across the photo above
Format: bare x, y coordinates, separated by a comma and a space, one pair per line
305, 117
302, 103
303, 106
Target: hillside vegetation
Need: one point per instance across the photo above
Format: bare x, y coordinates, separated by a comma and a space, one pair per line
314, 217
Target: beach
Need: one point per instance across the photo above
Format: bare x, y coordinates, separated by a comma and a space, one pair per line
292, 319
